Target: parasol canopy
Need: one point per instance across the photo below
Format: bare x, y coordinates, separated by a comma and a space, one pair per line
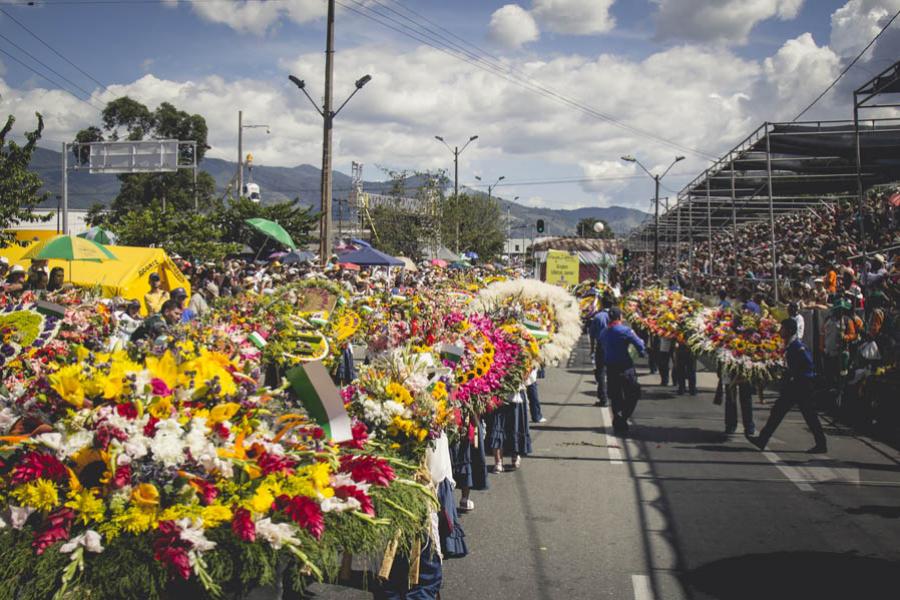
69, 247
272, 230
100, 235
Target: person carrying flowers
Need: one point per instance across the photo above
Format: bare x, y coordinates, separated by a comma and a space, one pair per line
620, 375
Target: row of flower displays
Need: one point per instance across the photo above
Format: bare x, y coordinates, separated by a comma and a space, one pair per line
746, 345
188, 465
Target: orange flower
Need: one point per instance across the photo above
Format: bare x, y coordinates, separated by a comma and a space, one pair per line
145, 495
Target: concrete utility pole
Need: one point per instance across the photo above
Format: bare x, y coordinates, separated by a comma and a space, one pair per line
456, 150
240, 153
325, 235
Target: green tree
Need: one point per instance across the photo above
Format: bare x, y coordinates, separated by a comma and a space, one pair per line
197, 236
398, 232
19, 187
585, 229
296, 219
127, 119
480, 225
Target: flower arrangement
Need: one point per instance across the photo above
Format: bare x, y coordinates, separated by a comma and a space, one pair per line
663, 313
747, 345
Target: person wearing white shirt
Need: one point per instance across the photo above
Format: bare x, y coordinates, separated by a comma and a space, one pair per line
794, 313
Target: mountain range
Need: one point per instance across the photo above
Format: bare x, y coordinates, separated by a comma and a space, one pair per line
303, 181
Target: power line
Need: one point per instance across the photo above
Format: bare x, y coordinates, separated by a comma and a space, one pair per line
525, 81
52, 49
45, 65
55, 83
848, 67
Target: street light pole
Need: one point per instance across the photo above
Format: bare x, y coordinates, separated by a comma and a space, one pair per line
456, 150
656, 180
241, 128
328, 115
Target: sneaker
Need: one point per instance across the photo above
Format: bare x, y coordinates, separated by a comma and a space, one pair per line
542, 420
818, 449
498, 468
757, 441
466, 505
517, 464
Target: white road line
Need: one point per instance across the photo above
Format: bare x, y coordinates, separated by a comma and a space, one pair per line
612, 443
642, 588
796, 477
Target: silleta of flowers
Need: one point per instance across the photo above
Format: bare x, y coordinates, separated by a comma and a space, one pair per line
661, 312
746, 345
171, 469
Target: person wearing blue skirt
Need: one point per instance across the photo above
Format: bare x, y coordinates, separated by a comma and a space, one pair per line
469, 465
508, 432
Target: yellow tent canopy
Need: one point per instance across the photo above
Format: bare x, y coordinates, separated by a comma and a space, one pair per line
127, 277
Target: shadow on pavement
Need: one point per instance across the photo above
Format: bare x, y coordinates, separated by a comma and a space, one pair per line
888, 512
684, 435
795, 576
717, 448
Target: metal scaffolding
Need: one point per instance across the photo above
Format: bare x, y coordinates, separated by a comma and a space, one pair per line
782, 168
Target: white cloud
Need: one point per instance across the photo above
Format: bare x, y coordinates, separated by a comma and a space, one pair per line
575, 17
512, 26
252, 16
857, 22
728, 21
797, 73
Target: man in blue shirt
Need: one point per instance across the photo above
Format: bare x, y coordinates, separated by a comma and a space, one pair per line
748, 304
597, 325
796, 387
621, 380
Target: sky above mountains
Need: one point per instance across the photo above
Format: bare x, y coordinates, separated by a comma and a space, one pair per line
556, 90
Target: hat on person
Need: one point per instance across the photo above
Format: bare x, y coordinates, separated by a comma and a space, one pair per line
17, 269
879, 258
154, 276
133, 304
4, 260
841, 303
178, 292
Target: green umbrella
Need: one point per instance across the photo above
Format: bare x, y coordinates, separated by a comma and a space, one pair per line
69, 248
99, 235
272, 230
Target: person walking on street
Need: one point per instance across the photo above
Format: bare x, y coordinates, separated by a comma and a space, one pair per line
796, 388
597, 325
620, 375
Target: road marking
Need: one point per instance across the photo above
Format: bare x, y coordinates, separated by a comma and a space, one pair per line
642, 588
612, 443
792, 473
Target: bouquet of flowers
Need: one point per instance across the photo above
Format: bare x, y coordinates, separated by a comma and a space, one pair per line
747, 345
182, 468
663, 313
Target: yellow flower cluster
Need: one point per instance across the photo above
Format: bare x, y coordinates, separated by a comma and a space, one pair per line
399, 393
40, 494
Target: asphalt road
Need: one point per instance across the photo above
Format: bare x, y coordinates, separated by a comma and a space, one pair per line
678, 509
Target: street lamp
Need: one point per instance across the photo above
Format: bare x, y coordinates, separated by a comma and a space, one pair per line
656, 179
456, 150
328, 115
492, 186
241, 128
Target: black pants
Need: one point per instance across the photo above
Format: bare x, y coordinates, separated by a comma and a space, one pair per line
600, 375
617, 378
801, 394
744, 393
662, 363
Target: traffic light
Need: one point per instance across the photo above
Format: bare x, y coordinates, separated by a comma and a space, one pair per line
626, 255
540, 226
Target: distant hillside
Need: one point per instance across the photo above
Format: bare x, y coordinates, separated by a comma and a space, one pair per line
283, 183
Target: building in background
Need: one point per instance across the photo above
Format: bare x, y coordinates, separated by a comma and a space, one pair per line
28, 232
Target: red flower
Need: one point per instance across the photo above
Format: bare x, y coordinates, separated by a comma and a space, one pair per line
171, 550
243, 526
57, 530
150, 427
38, 464
360, 436
304, 512
368, 469
122, 476
272, 463
351, 491
159, 387
127, 410
222, 431
206, 490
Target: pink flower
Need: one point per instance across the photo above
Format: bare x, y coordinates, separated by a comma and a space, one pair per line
159, 387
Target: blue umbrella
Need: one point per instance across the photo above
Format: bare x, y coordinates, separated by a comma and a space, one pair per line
470, 255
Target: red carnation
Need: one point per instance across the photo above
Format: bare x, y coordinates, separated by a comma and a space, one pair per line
360, 436
273, 463
150, 427
171, 550
122, 476
127, 410
58, 524
243, 526
351, 491
207, 491
368, 469
38, 464
221, 431
304, 512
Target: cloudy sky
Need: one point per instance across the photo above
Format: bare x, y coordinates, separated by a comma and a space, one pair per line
556, 90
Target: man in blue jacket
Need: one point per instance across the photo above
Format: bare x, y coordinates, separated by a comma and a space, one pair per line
796, 387
621, 380
598, 323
